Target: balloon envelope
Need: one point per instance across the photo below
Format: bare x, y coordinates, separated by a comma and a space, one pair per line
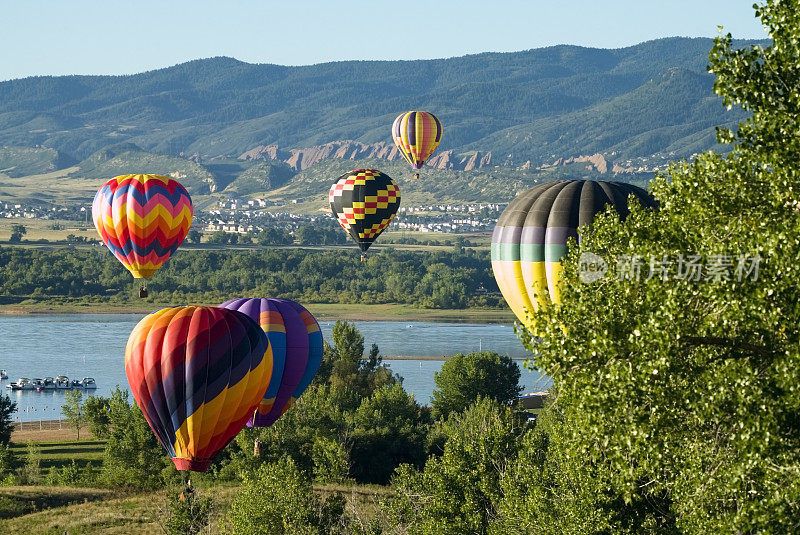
197, 374
364, 202
142, 219
416, 134
530, 237
296, 341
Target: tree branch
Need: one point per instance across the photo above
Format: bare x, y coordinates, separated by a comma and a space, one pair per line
733, 343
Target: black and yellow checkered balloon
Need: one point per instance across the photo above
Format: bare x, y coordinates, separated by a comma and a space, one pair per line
364, 202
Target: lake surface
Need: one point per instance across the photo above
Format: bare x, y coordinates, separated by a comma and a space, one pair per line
93, 345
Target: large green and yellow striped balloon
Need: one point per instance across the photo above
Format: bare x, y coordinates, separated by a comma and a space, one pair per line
530, 238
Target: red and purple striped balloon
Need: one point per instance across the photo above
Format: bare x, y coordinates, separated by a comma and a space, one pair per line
197, 374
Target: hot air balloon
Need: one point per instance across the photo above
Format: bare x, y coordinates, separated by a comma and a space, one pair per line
530, 237
197, 374
142, 219
296, 342
364, 202
416, 134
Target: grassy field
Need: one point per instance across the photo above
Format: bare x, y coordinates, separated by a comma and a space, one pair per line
42, 229
61, 189
321, 311
399, 312
78, 510
57, 510
62, 452
58, 447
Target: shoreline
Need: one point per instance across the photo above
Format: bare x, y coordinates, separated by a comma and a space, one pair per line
321, 311
442, 358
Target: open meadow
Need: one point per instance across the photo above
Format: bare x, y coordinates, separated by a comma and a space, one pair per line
77, 509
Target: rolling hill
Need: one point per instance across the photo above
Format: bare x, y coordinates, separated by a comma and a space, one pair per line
229, 126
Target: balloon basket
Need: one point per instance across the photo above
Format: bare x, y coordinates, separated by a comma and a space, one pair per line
195, 465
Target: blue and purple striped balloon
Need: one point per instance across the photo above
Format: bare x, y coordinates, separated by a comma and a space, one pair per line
296, 342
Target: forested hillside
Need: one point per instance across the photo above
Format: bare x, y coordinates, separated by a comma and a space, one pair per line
537, 105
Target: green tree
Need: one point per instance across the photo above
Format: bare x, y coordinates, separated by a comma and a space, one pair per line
31, 471
345, 366
274, 236
7, 408
186, 513
459, 492
17, 232
73, 410
465, 378
7, 465
68, 475
691, 388
95, 410
133, 456
317, 420
388, 429
219, 237
278, 499
549, 488
331, 460
309, 234
194, 236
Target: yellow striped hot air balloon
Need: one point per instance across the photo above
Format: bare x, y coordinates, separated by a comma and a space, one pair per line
417, 134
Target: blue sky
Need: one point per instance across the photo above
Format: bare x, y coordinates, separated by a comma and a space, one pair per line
53, 37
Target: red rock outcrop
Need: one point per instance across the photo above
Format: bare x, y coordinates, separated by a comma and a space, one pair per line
262, 152
301, 159
597, 161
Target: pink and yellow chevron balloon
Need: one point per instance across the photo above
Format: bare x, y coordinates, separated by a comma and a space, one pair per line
142, 219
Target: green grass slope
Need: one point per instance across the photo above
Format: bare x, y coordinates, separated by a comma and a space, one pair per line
127, 158
22, 161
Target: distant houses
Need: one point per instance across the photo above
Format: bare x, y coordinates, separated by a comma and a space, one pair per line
244, 216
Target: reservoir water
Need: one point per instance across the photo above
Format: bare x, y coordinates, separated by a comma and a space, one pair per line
93, 345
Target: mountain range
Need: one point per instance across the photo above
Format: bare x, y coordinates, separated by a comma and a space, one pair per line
635, 108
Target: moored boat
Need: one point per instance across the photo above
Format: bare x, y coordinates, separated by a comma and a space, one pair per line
23, 383
62, 382
3, 375
88, 383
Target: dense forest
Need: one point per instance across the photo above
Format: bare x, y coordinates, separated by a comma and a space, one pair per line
456, 279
